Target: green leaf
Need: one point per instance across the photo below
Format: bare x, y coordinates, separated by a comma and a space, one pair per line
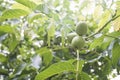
84, 76
114, 34
84, 4
118, 4
14, 42
51, 32
3, 58
63, 36
109, 38
43, 8
27, 3
4, 72
46, 54
13, 13
20, 6
96, 42
116, 22
51, 29
66, 4
6, 29
97, 12
37, 1
81, 62
55, 69
18, 69
105, 17
107, 68
115, 53
38, 16
56, 3
11, 42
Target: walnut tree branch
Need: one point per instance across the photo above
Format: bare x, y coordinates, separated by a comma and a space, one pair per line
104, 26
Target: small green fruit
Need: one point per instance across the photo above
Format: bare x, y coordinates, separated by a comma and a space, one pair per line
70, 36
81, 29
77, 42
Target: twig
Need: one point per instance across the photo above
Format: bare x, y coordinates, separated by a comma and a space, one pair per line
77, 68
104, 26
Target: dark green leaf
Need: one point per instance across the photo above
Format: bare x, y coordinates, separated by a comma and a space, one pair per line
115, 53
3, 72
107, 68
96, 42
14, 42
3, 58
18, 70
109, 38
55, 69
46, 54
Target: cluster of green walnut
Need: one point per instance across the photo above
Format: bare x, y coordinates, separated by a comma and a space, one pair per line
75, 38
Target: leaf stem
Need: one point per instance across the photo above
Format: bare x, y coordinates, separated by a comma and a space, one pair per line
77, 66
111, 36
48, 41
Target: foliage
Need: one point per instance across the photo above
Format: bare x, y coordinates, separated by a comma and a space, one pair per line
34, 39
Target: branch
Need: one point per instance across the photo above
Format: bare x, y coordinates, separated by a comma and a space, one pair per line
77, 66
104, 26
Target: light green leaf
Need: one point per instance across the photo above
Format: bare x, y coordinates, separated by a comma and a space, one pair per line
46, 54
13, 13
51, 32
66, 4
37, 1
27, 3
115, 53
51, 29
56, 3
63, 36
55, 69
118, 4
6, 29
3, 58
20, 6
97, 12
105, 17
114, 34
116, 23
84, 4
38, 16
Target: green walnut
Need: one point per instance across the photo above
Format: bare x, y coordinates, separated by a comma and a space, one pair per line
78, 42
81, 29
70, 36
